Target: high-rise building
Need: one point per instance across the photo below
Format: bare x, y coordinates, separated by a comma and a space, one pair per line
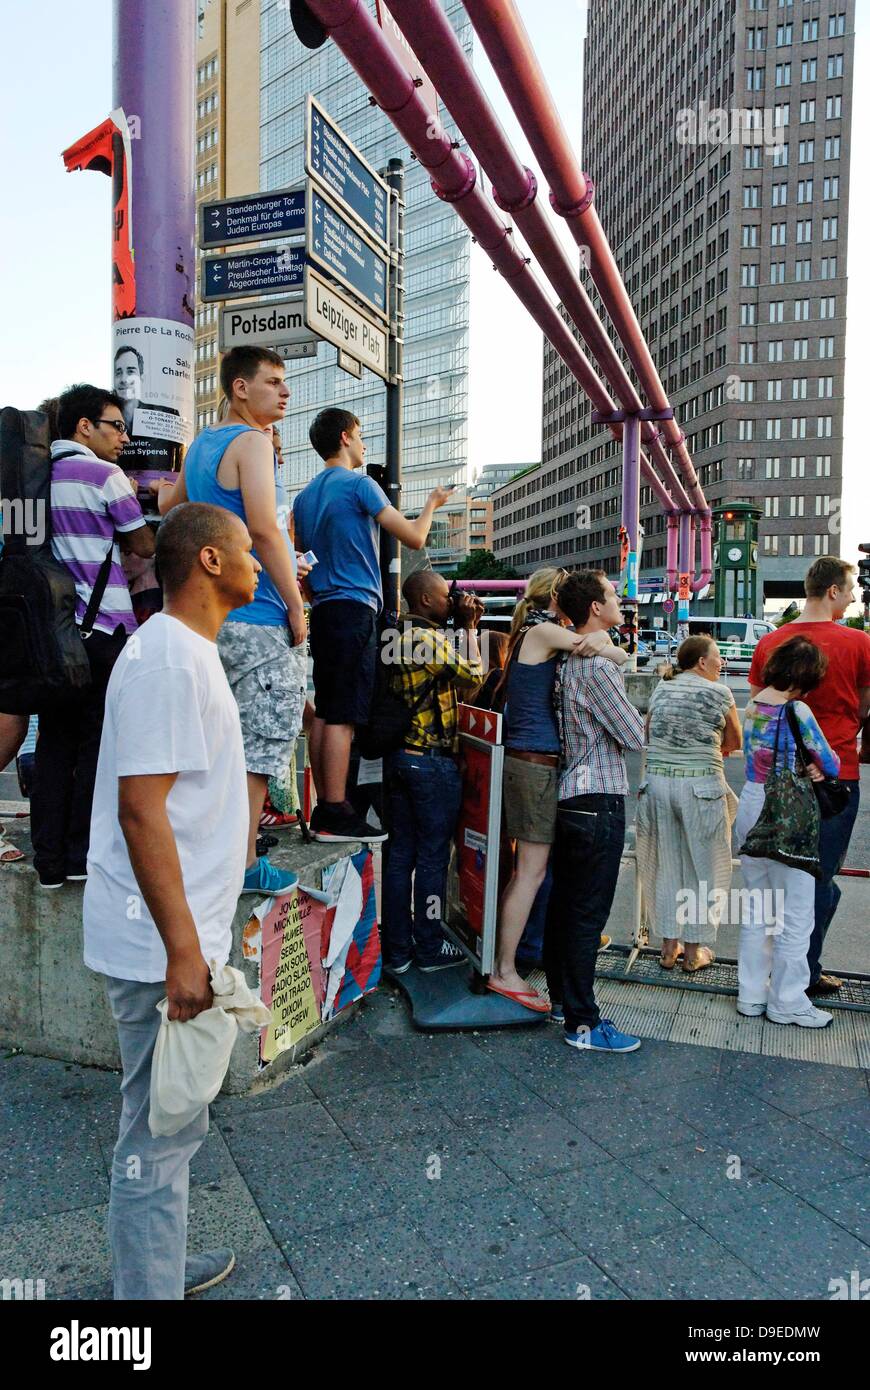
717, 134
437, 249
227, 146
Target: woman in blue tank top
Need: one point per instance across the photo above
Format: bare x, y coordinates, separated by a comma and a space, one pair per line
531, 768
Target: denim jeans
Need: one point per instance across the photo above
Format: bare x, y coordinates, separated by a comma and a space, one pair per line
422, 797
149, 1187
590, 835
834, 838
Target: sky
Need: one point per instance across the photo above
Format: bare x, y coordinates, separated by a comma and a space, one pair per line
54, 234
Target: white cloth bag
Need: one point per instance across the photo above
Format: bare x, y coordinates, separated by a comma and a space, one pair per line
190, 1059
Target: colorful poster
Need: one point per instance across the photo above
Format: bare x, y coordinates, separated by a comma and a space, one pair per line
350, 940
285, 975
152, 372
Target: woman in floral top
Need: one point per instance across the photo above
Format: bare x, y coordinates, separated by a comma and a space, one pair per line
772, 969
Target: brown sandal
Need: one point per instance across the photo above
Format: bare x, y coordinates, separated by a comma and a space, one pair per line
704, 958
670, 962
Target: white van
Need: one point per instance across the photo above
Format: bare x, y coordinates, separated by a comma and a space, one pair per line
736, 638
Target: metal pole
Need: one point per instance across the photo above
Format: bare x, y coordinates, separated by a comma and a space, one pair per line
154, 73
631, 522
391, 565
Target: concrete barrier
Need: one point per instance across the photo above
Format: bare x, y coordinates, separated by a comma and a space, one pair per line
51, 1005
639, 686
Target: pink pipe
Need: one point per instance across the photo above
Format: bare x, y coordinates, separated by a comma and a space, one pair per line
430, 33
455, 181
687, 543
507, 44
706, 521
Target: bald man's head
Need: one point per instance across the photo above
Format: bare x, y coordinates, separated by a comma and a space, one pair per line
423, 589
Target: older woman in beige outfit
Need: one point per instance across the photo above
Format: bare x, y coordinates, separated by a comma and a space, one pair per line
685, 808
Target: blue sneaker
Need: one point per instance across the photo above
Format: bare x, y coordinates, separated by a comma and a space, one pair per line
557, 1013
263, 877
606, 1037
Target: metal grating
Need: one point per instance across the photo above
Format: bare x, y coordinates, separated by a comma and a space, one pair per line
719, 978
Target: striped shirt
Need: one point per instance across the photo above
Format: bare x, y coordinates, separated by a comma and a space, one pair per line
90, 501
597, 722
422, 652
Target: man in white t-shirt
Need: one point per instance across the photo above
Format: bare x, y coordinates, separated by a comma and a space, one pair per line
165, 868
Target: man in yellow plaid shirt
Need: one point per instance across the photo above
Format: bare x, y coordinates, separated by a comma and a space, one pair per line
422, 781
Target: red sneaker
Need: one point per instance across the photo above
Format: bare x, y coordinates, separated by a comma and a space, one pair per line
275, 820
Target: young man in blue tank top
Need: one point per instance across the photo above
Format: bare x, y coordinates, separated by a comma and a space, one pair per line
232, 465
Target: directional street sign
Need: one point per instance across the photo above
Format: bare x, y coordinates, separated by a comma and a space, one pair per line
332, 242
333, 317
252, 272
349, 364
652, 584
272, 323
340, 169
255, 218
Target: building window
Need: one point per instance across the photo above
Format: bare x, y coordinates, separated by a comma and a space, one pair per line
799, 427
831, 188
746, 353
826, 347
808, 111
829, 228
801, 309
824, 427
796, 543
744, 429
771, 506
800, 349
835, 65
771, 468
808, 70
774, 351
799, 388
828, 268
832, 147
823, 465
798, 466
774, 429
749, 237
777, 233
774, 390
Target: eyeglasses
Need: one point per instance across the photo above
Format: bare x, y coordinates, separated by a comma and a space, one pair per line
118, 424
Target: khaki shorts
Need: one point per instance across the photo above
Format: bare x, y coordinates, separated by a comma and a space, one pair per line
530, 795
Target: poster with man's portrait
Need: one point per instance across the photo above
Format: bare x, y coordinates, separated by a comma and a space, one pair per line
152, 373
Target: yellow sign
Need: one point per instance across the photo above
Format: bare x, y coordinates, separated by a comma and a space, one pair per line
286, 987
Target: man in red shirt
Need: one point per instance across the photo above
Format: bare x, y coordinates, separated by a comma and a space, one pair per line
841, 704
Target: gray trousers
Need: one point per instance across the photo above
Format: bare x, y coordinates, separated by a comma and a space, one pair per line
684, 854
148, 1200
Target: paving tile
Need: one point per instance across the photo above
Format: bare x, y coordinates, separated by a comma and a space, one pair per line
378, 1260
343, 1068
420, 1056
436, 1167
291, 1089
389, 1112
52, 1162
211, 1162
694, 1176
225, 1213
794, 1087
490, 1235
848, 1124
659, 1065
281, 1136
538, 1140
683, 1263
578, 1279
481, 1095
331, 1189
847, 1203
590, 1203
716, 1109
788, 1244
625, 1125
69, 1250
796, 1156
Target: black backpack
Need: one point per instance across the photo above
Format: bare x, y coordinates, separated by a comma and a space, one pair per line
390, 717
42, 655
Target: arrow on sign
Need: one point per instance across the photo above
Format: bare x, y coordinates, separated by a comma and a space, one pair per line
471, 721
486, 725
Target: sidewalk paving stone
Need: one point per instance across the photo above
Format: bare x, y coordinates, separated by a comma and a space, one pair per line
490, 1235
847, 1203
283, 1136
394, 1111
630, 1125
378, 1260
848, 1124
331, 1189
682, 1262
290, 1090
538, 1140
462, 1167
795, 1156
788, 1244
794, 1087
715, 1108
592, 1203
345, 1067
694, 1176
576, 1279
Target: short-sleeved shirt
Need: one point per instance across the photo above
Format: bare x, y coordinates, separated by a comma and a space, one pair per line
687, 720
90, 501
835, 701
169, 708
334, 516
766, 731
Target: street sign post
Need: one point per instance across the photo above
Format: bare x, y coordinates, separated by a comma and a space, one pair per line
259, 217
334, 317
333, 243
245, 273
339, 169
272, 323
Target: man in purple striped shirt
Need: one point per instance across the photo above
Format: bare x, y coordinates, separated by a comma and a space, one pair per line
597, 723
92, 504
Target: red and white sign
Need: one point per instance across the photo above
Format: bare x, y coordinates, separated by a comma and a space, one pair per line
484, 724
405, 53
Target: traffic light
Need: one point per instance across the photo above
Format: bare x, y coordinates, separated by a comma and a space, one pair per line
309, 31
864, 571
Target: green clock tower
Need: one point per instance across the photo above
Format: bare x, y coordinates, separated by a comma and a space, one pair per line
735, 560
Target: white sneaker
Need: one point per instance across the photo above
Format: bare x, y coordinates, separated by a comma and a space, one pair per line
810, 1017
750, 1010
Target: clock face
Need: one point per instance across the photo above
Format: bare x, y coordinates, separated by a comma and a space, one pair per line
755, 555
735, 553
715, 555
